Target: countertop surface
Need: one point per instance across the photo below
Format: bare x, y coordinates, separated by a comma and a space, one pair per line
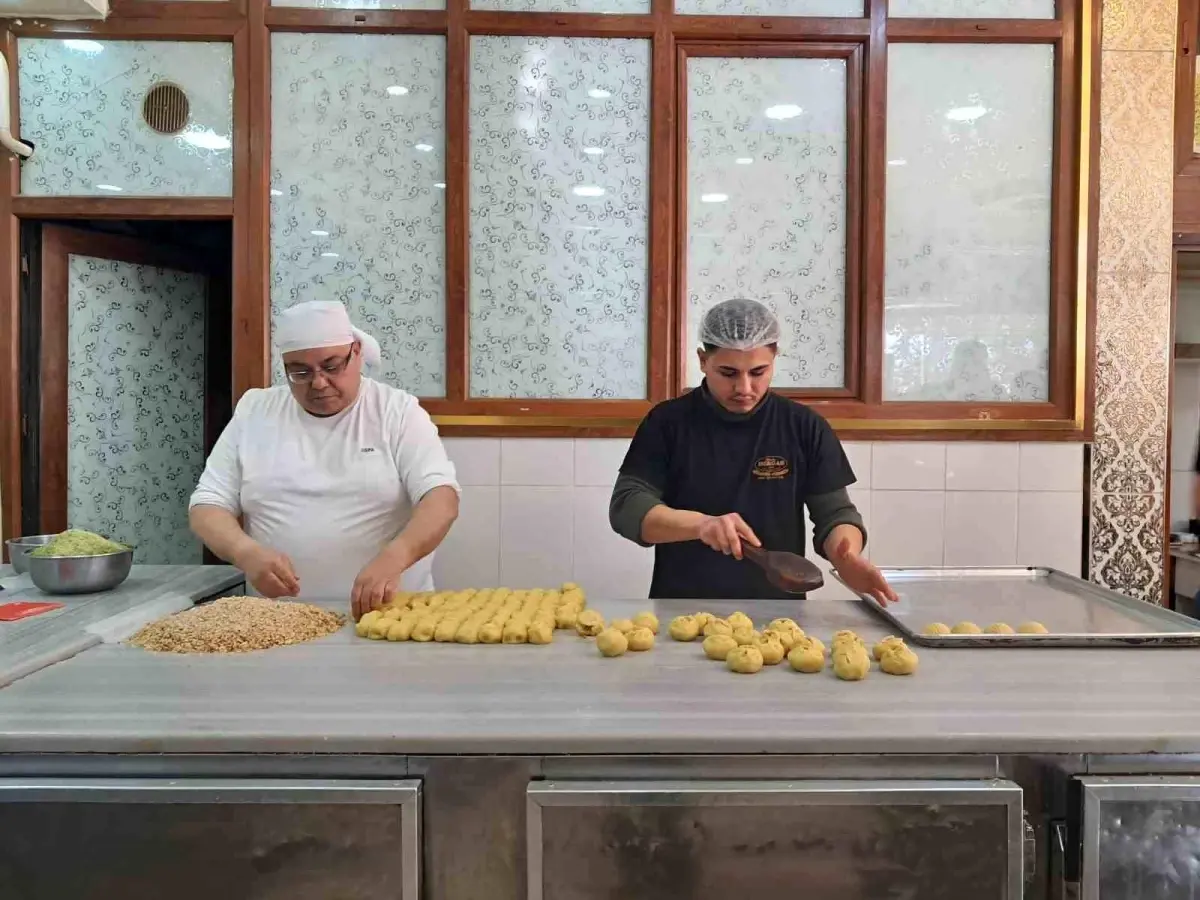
28, 645
344, 694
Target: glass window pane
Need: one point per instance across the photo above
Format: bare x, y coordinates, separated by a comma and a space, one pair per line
851, 8
81, 102
972, 9
363, 4
766, 204
357, 190
559, 161
967, 290
588, 6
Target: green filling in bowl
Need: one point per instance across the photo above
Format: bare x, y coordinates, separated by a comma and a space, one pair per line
75, 542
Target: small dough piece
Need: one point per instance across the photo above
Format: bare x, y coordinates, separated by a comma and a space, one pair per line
611, 642
718, 626
541, 633
515, 632
966, 628
641, 639
424, 629
622, 625
570, 586
808, 660
785, 638
999, 628
851, 665
1032, 628
717, 646
740, 620
392, 612
684, 628
898, 660
362, 628
846, 636
646, 620
783, 625
936, 628
589, 623
397, 632
890, 641
447, 629
468, 633
771, 650
702, 619
379, 628
745, 660
491, 633
565, 617
745, 636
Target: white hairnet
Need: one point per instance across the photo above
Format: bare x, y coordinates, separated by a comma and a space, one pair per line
739, 324
322, 323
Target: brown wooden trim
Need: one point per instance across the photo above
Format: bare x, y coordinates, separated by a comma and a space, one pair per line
822, 50
65, 241
732, 28
558, 24
855, 186
358, 21
684, 343
1064, 184
458, 179
176, 9
10, 320
1185, 90
874, 206
1089, 90
124, 207
661, 319
174, 28
966, 31
536, 409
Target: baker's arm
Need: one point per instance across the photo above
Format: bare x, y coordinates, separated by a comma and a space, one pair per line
835, 518
636, 512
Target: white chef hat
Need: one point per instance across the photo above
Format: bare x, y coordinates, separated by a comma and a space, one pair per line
322, 323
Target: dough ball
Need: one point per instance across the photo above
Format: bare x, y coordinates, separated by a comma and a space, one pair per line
397, 632
702, 619
379, 629
569, 586
446, 630
362, 628
491, 633
853, 665
846, 636
808, 642
515, 632
589, 623
684, 628
468, 633
806, 659
787, 639
424, 629
771, 650
646, 620
898, 660
717, 626
541, 633
1032, 628
740, 620
717, 646
641, 639
565, 617
936, 628
744, 635
890, 641
966, 628
622, 625
611, 642
744, 660
370, 617
392, 612
782, 625
998, 628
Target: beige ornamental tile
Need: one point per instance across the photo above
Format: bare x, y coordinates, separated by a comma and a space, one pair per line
1127, 552
1139, 25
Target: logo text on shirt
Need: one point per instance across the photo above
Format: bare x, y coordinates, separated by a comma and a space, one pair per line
771, 468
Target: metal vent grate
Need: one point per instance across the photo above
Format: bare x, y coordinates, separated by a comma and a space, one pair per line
166, 108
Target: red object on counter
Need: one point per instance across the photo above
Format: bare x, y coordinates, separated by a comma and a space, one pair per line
10, 612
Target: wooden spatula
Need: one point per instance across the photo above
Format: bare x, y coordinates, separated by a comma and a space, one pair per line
789, 572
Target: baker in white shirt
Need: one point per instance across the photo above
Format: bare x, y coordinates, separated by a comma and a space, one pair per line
341, 483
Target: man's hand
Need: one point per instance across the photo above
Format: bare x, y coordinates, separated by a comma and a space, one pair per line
270, 572
376, 583
860, 575
726, 533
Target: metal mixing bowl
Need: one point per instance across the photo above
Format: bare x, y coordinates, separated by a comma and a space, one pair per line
18, 550
80, 574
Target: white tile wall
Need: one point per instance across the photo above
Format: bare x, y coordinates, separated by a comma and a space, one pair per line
535, 511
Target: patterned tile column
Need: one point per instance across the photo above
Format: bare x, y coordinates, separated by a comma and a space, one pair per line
1133, 296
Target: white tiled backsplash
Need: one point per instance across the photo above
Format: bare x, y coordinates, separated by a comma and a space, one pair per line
535, 511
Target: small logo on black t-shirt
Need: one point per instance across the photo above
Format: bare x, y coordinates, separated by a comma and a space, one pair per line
771, 468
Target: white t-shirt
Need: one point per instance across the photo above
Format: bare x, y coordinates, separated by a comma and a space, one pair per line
328, 492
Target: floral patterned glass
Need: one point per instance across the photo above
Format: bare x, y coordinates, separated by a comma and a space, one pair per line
357, 191
135, 404
81, 103
770, 7
766, 204
972, 9
589, 6
559, 160
363, 4
967, 286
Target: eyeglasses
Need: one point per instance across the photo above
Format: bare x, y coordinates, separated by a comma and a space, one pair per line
329, 369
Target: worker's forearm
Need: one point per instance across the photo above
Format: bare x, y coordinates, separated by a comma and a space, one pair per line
664, 525
220, 531
428, 527
848, 535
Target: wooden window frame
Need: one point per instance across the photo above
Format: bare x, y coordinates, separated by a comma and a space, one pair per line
248, 24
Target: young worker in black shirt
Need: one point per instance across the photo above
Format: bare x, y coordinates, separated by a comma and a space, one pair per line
732, 462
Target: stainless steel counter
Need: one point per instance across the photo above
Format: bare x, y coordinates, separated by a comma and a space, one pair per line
347, 695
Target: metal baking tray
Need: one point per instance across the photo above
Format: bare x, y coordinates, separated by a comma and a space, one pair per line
1077, 613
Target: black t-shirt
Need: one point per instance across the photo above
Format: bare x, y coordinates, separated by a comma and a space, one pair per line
761, 466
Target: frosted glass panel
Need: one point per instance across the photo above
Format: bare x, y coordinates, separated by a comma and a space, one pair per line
967, 289
135, 404
973, 9
590, 6
559, 160
766, 204
770, 7
357, 190
81, 103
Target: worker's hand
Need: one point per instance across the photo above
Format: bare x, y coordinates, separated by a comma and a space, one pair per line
726, 533
861, 575
376, 583
270, 572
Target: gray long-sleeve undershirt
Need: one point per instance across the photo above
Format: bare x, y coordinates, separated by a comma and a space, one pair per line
632, 498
